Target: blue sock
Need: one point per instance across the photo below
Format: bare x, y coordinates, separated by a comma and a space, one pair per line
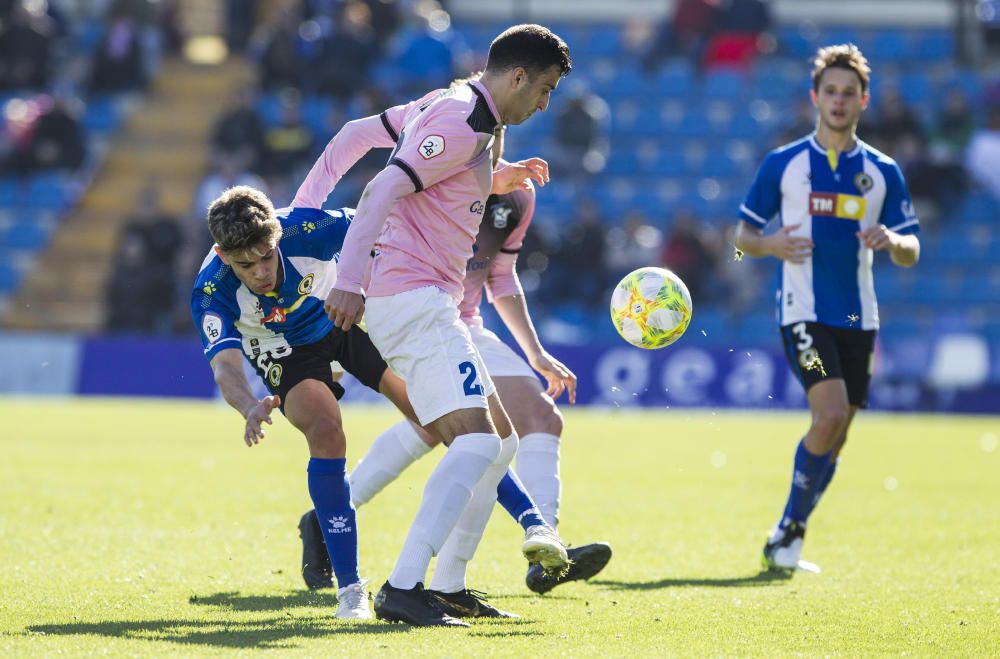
807, 475
516, 501
331, 494
831, 469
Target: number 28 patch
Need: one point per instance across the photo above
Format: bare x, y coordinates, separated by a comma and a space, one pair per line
431, 146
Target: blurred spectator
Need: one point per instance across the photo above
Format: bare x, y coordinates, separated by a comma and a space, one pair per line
241, 16
800, 123
983, 154
581, 143
280, 64
288, 146
118, 63
347, 54
229, 172
577, 267
426, 54
683, 34
48, 138
240, 131
168, 24
890, 123
141, 294
635, 245
688, 253
25, 46
953, 128
740, 31
385, 20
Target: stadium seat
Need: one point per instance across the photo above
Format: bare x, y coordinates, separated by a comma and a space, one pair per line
9, 278
25, 235
675, 79
887, 46
978, 207
934, 45
795, 42
101, 115
725, 84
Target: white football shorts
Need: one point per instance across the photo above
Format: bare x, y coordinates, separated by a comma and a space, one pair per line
422, 339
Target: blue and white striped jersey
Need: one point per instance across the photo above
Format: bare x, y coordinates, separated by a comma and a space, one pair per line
230, 315
831, 197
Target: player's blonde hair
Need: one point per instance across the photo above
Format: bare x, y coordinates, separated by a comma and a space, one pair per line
841, 56
241, 219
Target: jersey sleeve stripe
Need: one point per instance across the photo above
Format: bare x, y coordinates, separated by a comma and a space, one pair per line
388, 127
504, 250
215, 345
409, 172
752, 216
903, 225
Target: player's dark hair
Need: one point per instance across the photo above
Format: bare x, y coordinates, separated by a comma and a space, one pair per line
242, 218
532, 47
841, 56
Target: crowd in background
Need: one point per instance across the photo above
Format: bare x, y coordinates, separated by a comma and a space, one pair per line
320, 63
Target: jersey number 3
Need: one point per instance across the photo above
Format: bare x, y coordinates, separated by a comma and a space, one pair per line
805, 338
468, 369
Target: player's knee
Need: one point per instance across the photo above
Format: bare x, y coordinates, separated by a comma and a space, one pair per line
829, 422
541, 415
326, 438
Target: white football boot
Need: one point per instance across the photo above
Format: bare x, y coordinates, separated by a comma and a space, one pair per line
543, 546
352, 602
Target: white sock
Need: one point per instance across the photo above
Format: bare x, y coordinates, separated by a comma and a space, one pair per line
449, 572
538, 469
393, 451
446, 495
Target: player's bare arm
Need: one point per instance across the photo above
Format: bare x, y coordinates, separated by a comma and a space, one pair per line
781, 244
514, 312
510, 176
904, 250
227, 366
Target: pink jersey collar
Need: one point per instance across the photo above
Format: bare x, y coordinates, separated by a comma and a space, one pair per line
489, 99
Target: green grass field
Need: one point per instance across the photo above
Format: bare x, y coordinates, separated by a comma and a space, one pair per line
149, 529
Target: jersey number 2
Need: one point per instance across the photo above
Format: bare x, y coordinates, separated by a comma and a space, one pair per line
468, 369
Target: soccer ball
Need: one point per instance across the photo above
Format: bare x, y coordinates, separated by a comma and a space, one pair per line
651, 308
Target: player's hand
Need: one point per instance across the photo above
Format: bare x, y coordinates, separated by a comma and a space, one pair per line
344, 308
785, 246
259, 413
876, 237
558, 377
515, 175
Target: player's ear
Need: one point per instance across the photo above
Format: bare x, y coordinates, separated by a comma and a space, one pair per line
221, 255
518, 77
813, 98
865, 98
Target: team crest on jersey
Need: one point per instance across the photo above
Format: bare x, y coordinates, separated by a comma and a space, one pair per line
863, 182
306, 285
431, 147
501, 216
211, 325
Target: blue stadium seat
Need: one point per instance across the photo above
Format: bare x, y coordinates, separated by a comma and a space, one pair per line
726, 85
794, 42
630, 82
935, 45
25, 235
675, 79
605, 41
101, 115
9, 278
888, 45
843, 34
917, 90
51, 191
977, 207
